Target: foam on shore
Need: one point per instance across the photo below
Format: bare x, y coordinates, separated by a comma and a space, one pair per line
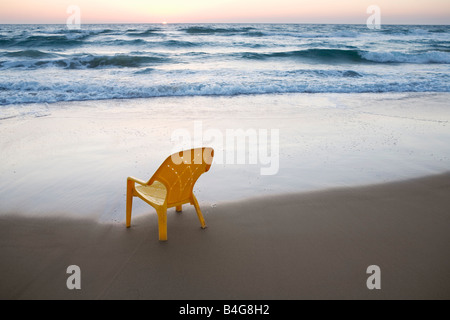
74, 157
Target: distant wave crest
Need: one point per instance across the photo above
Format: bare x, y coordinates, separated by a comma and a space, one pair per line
338, 55
87, 61
217, 30
36, 54
401, 57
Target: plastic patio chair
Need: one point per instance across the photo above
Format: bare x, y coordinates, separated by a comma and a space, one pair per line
171, 186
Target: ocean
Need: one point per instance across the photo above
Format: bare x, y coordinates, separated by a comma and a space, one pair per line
50, 63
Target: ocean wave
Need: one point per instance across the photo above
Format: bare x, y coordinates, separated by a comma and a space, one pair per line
28, 54
312, 54
439, 30
121, 42
119, 60
344, 34
179, 43
44, 41
254, 34
418, 33
437, 57
88, 61
204, 30
85, 32
306, 34
145, 71
147, 33
33, 92
324, 73
34, 59
354, 56
338, 73
57, 38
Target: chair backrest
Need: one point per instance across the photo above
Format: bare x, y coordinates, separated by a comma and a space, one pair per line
181, 170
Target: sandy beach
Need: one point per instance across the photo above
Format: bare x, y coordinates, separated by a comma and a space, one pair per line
363, 180
314, 245
73, 158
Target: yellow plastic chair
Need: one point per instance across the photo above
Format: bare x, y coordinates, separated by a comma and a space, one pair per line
171, 186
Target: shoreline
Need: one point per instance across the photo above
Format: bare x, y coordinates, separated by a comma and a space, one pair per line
75, 157
313, 245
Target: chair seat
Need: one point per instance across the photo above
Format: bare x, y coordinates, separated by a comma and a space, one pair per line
154, 193
171, 186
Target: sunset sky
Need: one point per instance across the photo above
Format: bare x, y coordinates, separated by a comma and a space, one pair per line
197, 11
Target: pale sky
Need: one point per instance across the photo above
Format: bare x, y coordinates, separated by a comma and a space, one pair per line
219, 11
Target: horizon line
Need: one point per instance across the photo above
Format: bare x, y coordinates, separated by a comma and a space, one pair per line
174, 23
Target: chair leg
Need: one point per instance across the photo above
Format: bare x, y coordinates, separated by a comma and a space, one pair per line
199, 212
162, 223
130, 186
179, 208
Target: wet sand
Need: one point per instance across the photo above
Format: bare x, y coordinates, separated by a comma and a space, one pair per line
313, 245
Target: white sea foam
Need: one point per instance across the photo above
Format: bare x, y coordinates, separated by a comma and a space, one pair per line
325, 141
402, 57
48, 63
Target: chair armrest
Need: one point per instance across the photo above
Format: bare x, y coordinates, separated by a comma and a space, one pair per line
136, 180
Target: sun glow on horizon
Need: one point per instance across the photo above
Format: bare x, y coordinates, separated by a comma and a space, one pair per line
226, 11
